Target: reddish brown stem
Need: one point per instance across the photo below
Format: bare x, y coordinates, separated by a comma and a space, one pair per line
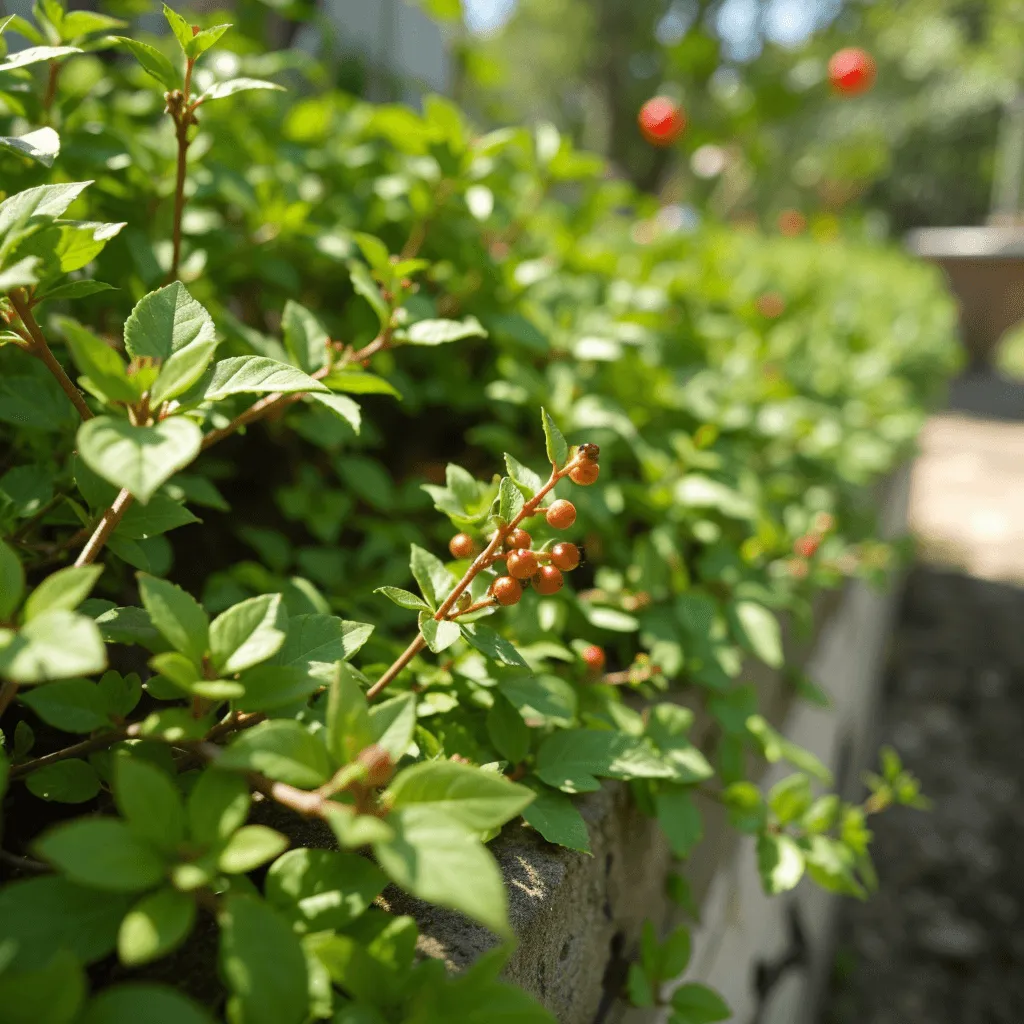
51, 88
99, 742
8, 691
106, 527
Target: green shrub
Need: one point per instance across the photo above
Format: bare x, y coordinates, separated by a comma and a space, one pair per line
364, 310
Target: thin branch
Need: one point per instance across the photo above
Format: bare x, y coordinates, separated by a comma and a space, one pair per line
106, 527
41, 350
23, 863
8, 691
89, 746
183, 119
51, 88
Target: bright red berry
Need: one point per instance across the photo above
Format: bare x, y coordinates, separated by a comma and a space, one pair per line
561, 515
518, 538
661, 121
565, 556
462, 546
852, 71
506, 590
379, 765
585, 473
593, 656
807, 545
548, 580
522, 564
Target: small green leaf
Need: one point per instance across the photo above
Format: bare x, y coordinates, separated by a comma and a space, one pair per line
102, 853
679, 818
510, 500
72, 705
435, 581
66, 782
200, 43
63, 590
221, 90
54, 645
252, 375
780, 862
304, 337
217, 805
790, 798
697, 1004
492, 645
180, 27
249, 847
42, 145
440, 332
150, 802
392, 723
557, 449
440, 635
639, 987
316, 643
526, 480
341, 406
247, 633
403, 598
507, 730
348, 717
360, 383
282, 749
364, 285
177, 615
12, 581
98, 361
35, 55
142, 1001
268, 687
558, 820
153, 62
50, 992
758, 629
155, 926
139, 459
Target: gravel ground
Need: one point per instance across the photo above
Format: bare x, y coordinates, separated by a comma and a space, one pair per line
942, 942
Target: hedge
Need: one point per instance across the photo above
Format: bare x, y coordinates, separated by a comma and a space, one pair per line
427, 359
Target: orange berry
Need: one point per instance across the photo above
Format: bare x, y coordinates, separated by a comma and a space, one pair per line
824, 523
522, 564
771, 305
561, 515
585, 473
548, 580
797, 568
565, 556
807, 545
792, 223
506, 590
518, 538
462, 546
593, 656
379, 765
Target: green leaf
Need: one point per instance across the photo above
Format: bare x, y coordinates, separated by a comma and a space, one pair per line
42, 145
150, 802
63, 590
158, 516
525, 479
667, 727
745, 805
679, 818
348, 717
282, 749
375, 252
76, 24
139, 459
492, 645
43, 201
180, 27
780, 862
323, 890
153, 63
440, 332
12, 582
790, 798
102, 853
510, 499
697, 1004
403, 598
758, 630
55, 645
392, 723
65, 782
479, 800
435, 581
432, 856
247, 633
221, 90
507, 730
50, 994
72, 705
316, 643
217, 805
557, 819
557, 449
35, 55
155, 926
440, 635
249, 847
41, 914
360, 383
341, 406
268, 687
167, 321
304, 337
364, 285
639, 986
74, 290
24, 490
140, 1001
252, 375
182, 369
177, 615
263, 964
199, 44
831, 863
571, 759
98, 361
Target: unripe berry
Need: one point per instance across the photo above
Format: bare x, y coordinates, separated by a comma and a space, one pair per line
807, 545
565, 556
797, 568
548, 580
378, 763
518, 538
824, 523
852, 71
585, 473
561, 515
522, 564
464, 601
593, 656
462, 546
506, 590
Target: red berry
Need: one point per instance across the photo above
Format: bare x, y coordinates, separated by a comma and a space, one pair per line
594, 658
518, 538
852, 71
771, 305
506, 590
379, 765
565, 556
548, 580
824, 523
522, 564
797, 568
561, 515
661, 121
807, 545
462, 546
792, 223
585, 473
